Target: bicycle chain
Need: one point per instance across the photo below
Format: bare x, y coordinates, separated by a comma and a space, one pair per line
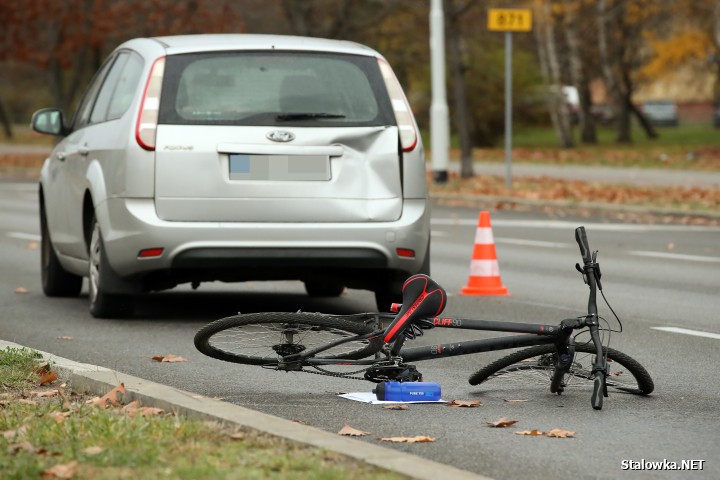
336, 374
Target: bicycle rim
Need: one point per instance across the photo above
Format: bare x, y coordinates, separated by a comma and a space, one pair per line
265, 338
535, 366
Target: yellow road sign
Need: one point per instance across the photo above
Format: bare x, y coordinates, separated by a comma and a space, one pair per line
509, 20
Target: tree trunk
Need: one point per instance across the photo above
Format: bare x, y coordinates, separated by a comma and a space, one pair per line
457, 72
5, 119
550, 66
587, 124
624, 133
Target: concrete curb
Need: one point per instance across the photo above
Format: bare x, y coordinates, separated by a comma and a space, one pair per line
608, 207
99, 380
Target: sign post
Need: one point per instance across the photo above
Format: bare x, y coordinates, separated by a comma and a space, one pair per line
509, 20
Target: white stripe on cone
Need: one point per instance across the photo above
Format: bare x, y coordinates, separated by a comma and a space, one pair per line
484, 236
484, 268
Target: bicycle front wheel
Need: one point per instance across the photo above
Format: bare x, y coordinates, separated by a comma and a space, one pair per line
265, 338
535, 365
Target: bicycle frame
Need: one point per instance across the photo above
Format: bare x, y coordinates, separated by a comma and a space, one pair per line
534, 334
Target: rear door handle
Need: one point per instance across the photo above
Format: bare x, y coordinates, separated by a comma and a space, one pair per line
83, 151
60, 156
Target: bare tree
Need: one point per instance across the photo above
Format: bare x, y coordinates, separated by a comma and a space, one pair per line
550, 65
577, 74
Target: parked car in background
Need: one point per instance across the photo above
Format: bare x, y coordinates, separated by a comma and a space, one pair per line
232, 158
661, 112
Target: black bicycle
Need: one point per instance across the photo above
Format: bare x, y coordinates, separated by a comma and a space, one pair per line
374, 343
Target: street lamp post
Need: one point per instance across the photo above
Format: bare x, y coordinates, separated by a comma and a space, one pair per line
439, 117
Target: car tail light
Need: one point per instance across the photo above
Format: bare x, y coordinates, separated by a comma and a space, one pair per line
148, 118
405, 252
150, 252
403, 115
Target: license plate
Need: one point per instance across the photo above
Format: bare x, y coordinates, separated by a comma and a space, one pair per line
279, 167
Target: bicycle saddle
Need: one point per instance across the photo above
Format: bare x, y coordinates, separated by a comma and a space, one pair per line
422, 298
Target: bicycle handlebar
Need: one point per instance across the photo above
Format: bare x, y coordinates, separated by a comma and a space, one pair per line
581, 238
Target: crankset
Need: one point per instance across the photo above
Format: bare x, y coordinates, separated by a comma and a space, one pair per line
392, 371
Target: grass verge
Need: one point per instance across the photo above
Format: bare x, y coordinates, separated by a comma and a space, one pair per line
50, 432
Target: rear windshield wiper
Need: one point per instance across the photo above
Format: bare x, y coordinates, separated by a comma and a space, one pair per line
307, 116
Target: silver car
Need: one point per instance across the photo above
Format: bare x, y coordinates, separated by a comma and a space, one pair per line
232, 158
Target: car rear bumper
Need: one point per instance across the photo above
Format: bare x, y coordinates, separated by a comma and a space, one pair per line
204, 251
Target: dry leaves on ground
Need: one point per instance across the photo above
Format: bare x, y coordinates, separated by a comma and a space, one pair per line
21, 290
133, 409
397, 406
465, 403
416, 439
48, 377
349, 431
113, 397
67, 470
501, 423
555, 433
169, 358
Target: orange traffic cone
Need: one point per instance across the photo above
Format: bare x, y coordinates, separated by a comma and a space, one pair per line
484, 272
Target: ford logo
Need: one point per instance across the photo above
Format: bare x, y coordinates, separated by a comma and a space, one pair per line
280, 136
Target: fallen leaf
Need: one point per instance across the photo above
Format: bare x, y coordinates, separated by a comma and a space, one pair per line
14, 434
49, 377
501, 422
67, 470
93, 450
21, 447
134, 409
515, 401
397, 406
670, 246
349, 431
59, 417
45, 393
417, 439
21, 290
27, 401
465, 403
169, 358
110, 398
301, 422
237, 436
64, 337
533, 433
32, 245
560, 433
42, 368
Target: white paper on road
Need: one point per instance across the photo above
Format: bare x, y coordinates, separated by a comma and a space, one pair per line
369, 397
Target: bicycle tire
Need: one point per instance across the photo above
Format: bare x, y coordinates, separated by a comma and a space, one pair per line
249, 339
538, 363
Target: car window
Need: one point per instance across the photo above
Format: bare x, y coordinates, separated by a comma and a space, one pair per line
254, 88
82, 114
99, 111
126, 88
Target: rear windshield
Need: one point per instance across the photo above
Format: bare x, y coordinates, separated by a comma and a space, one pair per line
274, 88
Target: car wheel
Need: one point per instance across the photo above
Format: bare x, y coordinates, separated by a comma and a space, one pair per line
324, 289
56, 282
103, 304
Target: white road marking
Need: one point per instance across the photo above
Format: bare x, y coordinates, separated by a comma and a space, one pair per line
438, 233
686, 331
563, 224
675, 256
24, 236
532, 243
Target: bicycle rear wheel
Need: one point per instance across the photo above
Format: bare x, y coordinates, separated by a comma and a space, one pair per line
265, 338
535, 365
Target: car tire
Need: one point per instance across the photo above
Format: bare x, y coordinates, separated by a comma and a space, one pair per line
324, 289
102, 303
56, 281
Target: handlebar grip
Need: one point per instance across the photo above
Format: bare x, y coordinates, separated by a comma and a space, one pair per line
582, 241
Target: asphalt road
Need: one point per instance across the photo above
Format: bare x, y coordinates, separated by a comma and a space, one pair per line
654, 277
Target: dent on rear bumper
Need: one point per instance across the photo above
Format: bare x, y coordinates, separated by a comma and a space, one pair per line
131, 225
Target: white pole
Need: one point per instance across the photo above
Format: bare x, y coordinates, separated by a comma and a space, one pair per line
439, 117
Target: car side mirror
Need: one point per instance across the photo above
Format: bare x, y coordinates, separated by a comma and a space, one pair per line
49, 121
